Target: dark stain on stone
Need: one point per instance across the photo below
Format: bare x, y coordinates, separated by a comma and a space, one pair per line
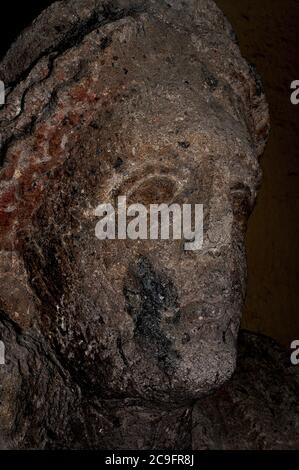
257, 79
118, 163
209, 78
185, 145
148, 294
186, 338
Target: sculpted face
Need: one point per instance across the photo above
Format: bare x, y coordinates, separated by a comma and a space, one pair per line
139, 112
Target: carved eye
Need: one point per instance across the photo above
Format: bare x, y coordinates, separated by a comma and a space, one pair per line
154, 190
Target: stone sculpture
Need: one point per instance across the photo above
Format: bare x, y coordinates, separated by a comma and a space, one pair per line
109, 343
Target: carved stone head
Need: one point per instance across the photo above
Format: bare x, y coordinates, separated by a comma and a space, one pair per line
152, 101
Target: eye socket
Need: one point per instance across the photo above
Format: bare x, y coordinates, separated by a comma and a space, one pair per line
154, 190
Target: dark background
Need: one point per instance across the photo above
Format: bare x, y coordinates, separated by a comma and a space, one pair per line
268, 32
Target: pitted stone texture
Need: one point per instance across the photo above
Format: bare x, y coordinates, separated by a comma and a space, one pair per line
151, 100
258, 408
42, 408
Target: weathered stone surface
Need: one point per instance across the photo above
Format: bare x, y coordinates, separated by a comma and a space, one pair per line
258, 409
151, 100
